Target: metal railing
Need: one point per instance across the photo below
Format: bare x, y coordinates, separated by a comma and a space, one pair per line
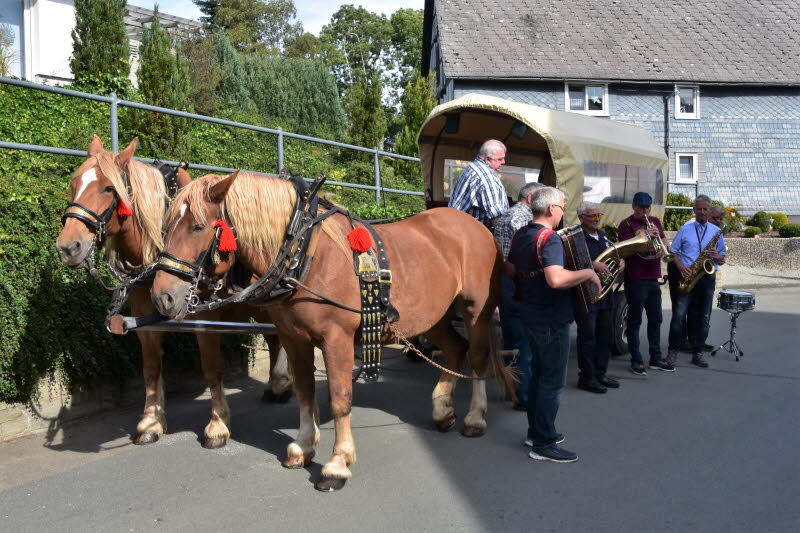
280, 135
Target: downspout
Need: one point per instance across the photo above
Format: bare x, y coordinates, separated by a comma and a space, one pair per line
666, 137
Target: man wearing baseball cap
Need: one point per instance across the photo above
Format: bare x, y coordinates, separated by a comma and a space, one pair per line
642, 289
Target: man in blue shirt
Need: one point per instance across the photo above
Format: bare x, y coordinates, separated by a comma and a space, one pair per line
543, 284
479, 191
691, 240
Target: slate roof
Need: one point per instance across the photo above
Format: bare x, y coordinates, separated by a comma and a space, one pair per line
735, 41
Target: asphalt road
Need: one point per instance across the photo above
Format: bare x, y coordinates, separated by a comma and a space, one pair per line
697, 450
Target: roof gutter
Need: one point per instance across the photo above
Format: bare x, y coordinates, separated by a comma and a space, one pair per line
634, 81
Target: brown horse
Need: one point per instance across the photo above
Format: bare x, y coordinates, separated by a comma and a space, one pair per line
438, 258
132, 242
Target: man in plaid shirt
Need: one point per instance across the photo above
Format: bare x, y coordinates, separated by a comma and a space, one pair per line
512, 220
479, 191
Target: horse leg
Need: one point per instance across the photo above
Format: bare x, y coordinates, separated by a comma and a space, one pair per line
279, 386
339, 354
153, 423
300, 452
217, 432
479, 338
454, 348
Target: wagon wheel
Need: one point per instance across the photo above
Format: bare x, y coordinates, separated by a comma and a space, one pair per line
619, 340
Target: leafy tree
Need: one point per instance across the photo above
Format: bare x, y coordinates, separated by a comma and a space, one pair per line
363, 106
100, 47
7, 56
205, 73
357, 45
253, 25
418, 100
304, 46
163, 82
406, 48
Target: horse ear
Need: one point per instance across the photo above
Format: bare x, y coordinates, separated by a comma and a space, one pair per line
96, 146
184, 178
124, 157
218, 192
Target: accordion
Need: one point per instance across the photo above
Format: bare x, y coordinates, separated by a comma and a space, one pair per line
576, 254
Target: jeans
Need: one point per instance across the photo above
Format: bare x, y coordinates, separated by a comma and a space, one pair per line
550, 344
514, 337
644, 294
594, 343
697, 304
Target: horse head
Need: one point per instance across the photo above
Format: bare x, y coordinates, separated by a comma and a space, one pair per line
100, 205
199, 243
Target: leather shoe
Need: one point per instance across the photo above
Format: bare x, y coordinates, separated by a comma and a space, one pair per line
592, 386
520, 406
697, 360
608, 382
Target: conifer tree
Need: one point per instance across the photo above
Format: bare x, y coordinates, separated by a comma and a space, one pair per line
163, 82
100, 47
418, 100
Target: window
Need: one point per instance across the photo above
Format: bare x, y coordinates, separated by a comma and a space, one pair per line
687, 102
686, 168
586, 99
513, 178
616, 184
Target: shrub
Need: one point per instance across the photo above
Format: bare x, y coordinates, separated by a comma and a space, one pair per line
612, 232
779, 220
675, 218
733, 220
761, 220
751, 231
790, 230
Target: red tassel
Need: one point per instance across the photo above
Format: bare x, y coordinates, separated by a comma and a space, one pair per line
360, 240
123, 210
227, 240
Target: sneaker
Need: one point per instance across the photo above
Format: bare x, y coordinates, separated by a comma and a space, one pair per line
697, 360
664, 366
553, 453
559, 440
638, 369
707, 348
672, 357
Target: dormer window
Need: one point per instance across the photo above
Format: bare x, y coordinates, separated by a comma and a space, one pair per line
687, 102
589, 99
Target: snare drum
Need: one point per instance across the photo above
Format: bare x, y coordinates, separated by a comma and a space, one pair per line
736, 301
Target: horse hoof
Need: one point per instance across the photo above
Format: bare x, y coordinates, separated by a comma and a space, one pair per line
298, 461
446, 424
146, 438
210, 443
271, 397
330, 484
472, 432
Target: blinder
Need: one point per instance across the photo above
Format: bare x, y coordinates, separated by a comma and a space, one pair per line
96, 223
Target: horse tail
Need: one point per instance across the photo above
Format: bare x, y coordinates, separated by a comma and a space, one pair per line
505, 376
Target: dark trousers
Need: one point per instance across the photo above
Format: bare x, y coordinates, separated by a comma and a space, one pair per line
697, 304
644, 295
594, 342
550, 344
674, 276
514, 337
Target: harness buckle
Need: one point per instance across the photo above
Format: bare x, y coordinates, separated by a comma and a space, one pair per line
384, 279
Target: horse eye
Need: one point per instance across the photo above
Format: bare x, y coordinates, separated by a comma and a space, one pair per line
198, 227
109, 188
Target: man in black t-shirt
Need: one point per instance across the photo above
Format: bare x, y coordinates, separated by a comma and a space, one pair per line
543, 283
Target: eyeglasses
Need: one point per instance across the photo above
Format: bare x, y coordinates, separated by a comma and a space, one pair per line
596, 216
559, 206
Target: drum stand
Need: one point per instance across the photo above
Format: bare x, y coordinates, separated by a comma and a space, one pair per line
730, 345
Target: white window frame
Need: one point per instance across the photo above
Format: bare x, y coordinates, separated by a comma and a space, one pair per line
678, 177
690, 116
585, 111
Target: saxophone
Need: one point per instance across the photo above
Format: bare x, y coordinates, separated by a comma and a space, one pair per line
702, 265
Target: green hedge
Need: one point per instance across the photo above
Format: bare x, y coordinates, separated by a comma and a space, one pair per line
789, 230
51, 317
752, 231
779, 220
675, 218
762, 220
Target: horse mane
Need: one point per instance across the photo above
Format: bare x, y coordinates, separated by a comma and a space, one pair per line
147, 201
259, 208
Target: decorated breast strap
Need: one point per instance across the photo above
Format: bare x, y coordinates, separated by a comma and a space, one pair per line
374, 279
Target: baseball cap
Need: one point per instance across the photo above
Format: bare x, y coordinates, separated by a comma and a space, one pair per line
642, 198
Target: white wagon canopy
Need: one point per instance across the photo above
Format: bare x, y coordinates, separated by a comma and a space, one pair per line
589, 158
